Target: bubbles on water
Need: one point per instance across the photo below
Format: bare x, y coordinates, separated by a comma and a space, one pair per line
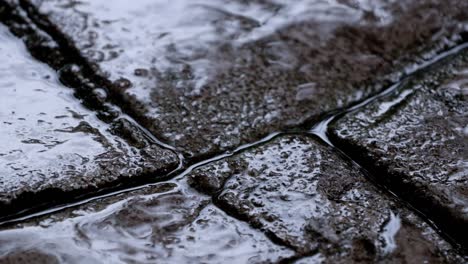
101, 94
123, 83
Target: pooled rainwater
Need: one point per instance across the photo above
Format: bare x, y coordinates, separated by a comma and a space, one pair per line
42, 93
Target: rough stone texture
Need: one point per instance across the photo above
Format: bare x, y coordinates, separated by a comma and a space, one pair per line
415, 139
302, 194
207, 75
161, 224
51, 145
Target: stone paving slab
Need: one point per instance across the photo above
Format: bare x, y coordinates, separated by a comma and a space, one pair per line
165, 223
415, 139
52, 147
208, 76
302, 194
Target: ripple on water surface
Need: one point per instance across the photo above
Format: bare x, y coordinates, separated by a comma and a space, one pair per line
165, 224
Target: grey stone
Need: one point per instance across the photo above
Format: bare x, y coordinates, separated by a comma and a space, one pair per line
415, 141
207, 76
304, 195
165, 223
54, 148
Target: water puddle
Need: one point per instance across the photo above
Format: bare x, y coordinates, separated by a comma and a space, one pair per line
320, 129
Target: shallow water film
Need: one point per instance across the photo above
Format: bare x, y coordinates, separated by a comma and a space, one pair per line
233, 131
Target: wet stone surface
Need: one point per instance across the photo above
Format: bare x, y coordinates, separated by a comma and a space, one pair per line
416, 141
208, 76
39, 44
52, 147
165, 223
303, 195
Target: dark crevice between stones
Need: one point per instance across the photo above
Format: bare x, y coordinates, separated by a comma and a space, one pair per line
400, 193
28, 203
416, 198
446, 222
270, 235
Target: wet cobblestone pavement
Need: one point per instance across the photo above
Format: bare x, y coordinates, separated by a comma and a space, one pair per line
233, 131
